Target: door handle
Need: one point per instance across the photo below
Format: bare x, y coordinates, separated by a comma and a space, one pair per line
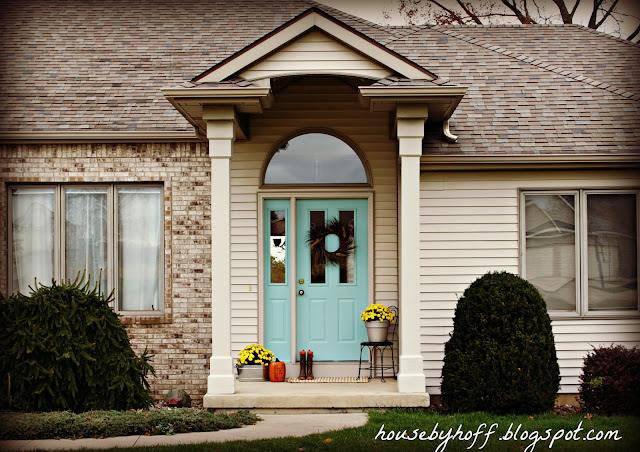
301, 292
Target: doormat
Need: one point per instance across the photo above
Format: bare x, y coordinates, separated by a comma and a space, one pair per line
331, 380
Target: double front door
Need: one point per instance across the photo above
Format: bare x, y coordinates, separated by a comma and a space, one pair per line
321, 296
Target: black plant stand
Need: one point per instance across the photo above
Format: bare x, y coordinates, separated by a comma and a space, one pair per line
380, 347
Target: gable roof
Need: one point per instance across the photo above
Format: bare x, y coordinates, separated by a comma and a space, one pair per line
100, 68
311, 19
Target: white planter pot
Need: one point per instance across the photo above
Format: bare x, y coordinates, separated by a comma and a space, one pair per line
377, 330
250, 372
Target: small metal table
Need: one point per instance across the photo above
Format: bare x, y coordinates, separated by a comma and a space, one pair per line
380, 347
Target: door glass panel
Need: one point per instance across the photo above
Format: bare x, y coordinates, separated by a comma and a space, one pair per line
33, 236
277, 246
612, 251
86, 233
551, 248
318, 263
347, 267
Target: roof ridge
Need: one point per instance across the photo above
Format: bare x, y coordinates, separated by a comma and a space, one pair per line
333, 10
540, 63
404, 32
601, 33
579, 26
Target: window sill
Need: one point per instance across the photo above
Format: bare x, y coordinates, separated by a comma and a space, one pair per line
602, 316
145, 319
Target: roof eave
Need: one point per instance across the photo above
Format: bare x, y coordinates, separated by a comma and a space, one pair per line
442, 100
528, 162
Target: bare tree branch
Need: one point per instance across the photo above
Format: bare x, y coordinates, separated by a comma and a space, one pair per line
522, 17
594, 14
634, 34
567, 17
575, 7
607, 14
471, 14
604, 14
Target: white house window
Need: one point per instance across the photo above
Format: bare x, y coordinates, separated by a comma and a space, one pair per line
580, 249
115, 231
315, 158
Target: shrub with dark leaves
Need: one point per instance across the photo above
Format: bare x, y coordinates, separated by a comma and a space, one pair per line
501, 356
610, 381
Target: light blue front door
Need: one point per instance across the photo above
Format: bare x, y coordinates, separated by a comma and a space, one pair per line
329, 296
328, 313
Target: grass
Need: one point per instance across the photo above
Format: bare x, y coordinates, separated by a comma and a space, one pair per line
101, 424
626, 428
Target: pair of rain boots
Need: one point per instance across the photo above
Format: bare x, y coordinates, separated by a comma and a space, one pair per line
306, 365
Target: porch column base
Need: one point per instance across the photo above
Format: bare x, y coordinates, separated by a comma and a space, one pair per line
221, 379
411, 377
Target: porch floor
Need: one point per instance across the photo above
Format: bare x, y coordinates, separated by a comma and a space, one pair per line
266, 397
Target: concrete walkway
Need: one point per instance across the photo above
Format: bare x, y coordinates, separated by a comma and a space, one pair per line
272, 426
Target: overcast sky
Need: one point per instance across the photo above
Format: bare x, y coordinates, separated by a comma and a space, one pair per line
373, 10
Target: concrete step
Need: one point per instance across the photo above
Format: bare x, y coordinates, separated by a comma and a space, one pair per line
268, 397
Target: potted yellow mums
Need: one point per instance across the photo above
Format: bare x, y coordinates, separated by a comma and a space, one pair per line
377, 318
251, 362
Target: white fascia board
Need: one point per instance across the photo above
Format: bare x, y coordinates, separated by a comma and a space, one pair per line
216, 92
388, 97
373, 51
260, 50
251, 55
412, 91
527, 162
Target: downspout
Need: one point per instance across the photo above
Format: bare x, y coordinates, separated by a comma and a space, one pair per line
451, 138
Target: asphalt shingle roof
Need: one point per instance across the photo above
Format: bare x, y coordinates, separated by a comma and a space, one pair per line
86, 65
515, 106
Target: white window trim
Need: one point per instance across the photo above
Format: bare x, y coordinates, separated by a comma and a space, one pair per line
59, 267
581, 251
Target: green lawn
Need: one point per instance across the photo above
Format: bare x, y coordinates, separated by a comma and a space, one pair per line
623, 435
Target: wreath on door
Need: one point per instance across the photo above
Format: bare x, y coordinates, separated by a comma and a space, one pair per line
316, 240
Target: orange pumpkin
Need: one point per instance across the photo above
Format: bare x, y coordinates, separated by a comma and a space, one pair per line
277, 371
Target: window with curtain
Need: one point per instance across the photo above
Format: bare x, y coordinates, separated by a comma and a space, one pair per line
580, 249
114, 233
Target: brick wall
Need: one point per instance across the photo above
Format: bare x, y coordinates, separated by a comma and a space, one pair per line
181, 339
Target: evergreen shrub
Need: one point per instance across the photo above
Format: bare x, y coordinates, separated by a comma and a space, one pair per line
64, 348
501, 356
610, 381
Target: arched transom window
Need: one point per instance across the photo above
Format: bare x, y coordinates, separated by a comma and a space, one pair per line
315, 158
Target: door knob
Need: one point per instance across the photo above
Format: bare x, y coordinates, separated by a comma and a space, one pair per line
301, 292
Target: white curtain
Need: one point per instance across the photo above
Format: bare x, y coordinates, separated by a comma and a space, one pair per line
140, 250
86, 233
551, 248
33, 236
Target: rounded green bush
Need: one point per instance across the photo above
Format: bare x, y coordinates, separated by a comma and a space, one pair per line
501, 356
63, 348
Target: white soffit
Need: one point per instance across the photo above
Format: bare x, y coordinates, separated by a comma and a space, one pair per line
299, 26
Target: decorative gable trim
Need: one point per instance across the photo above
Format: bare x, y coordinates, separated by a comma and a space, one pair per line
314, 18
315, 53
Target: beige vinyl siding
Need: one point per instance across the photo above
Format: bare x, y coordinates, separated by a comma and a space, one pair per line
315, 53
469, 226
319, 103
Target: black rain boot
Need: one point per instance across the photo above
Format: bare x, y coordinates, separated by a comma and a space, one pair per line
303, 366
310, 365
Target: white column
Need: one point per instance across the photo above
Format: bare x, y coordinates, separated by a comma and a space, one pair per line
410, 120
220, 132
